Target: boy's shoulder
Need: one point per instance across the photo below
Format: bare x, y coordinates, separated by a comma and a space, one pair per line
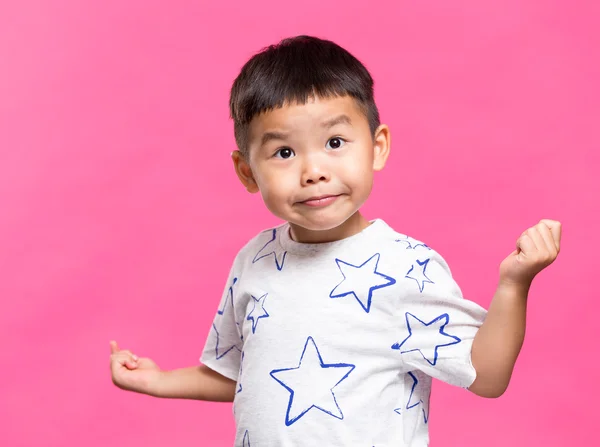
398, 239
265, 243
408, 242
411, 248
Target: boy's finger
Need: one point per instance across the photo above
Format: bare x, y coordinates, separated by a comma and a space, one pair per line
128, 353
114, 348
537, 239
131, 364
555, 228
546, 235
127, 360
525, 246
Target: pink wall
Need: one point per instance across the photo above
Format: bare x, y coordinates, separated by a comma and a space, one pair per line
120, 213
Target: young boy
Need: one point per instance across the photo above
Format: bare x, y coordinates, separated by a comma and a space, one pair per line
331, 326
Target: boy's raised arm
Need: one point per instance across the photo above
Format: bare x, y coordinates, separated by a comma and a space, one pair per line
498, 342
142, 375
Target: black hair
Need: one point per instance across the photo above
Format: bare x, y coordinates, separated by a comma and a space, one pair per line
292, 71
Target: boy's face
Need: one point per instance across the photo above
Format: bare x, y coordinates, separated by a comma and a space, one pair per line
313, 163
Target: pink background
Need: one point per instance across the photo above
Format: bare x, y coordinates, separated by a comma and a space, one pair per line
120, 212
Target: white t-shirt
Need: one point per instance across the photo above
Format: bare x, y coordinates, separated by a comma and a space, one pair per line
335, 344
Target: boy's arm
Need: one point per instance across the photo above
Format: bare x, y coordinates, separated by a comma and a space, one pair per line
196, 382
142, 375
498, 342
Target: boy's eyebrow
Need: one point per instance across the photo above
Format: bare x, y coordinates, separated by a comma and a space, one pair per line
341, 119
268, 136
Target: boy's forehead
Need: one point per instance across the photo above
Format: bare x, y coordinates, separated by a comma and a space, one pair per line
314, 112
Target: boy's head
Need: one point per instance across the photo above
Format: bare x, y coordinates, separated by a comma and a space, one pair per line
294, 71
306, 125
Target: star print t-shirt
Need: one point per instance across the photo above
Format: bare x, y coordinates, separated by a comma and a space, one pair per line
336, 344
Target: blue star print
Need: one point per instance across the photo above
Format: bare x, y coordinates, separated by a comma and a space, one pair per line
412, 244
223, 348
229, 298
421, 338
416, 399
418, 274
246, 442
258, 311
272, 248
311, 384
361, 281
240, 374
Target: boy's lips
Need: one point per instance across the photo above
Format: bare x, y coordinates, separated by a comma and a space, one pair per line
320, 200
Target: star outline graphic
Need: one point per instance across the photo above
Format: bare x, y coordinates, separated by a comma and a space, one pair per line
273, 252
446, 317
239, 390
351, 367
421, 282
234, 346
367, 308
229, 297
255, 320
409, 243
420, 401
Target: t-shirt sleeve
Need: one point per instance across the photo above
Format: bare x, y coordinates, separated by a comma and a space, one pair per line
437, 325
224, 344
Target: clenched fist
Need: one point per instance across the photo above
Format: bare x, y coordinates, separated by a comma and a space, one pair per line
537, 248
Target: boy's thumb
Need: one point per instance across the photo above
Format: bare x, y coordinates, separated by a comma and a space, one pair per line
113, 347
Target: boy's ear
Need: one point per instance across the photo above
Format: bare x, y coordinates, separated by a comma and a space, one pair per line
381, 147
243, 171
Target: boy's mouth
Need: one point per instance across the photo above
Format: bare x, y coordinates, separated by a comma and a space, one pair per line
320, 200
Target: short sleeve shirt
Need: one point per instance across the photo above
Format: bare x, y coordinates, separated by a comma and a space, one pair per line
336, 344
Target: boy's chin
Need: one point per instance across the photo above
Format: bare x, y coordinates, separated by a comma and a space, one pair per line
319, 224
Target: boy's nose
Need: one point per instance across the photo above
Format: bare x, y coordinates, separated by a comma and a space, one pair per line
314, 174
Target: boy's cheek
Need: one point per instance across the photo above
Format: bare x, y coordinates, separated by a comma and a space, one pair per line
359, 174
272, 196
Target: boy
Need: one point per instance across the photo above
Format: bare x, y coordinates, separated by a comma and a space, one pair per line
331, 326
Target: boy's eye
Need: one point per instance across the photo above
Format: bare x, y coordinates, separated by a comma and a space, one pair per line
284, 152
335, 143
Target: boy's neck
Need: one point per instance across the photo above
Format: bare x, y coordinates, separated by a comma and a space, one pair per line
353, 225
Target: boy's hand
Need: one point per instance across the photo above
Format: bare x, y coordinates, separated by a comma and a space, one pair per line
536, 249
129, 372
